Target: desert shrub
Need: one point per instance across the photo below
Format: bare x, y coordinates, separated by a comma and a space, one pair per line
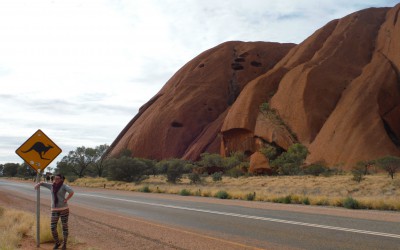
206, 194
222, 194
365, 165
289, 163
269, 151
286, 199
198, 192
230, 162
351, 203
250, 196
316, 169
322, 202
210, 160
264, 107
125, 169
391, 164
145, 189
185, 192
358, 173
305, 201
194, 178
239, 155
235, 172
150, 166
172, 168
217, 176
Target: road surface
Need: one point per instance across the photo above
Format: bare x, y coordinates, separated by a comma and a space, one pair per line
236, 224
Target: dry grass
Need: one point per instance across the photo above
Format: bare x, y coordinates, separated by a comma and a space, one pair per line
375, 192
16, 224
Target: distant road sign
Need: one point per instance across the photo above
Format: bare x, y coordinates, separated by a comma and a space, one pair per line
38, 151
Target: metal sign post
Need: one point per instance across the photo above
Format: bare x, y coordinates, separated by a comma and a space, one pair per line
38, 152
38, 211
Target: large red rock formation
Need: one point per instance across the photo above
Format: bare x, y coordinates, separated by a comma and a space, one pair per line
338, 93
184, 119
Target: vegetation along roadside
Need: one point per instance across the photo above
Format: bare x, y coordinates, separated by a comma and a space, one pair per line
369, 185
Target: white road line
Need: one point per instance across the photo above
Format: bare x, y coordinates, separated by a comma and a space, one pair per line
254, 217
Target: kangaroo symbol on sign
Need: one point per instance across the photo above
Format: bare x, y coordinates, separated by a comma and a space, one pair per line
40, 148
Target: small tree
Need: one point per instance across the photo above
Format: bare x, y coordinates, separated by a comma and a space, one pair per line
365, 165
390, 164
77, 161
25, 171
10, 169
175, 170
358, 173
99, 158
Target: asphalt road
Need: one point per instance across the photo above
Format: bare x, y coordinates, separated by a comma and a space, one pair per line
255, 226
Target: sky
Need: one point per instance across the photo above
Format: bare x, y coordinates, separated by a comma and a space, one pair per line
79, 70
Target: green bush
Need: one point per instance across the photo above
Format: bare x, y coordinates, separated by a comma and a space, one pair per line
185, 192
264, 107
305, 201
217, 176
235, 172
194, 178
351, 203
210, 160
222, 194
316, 169
286, 199
126, 169
172, 168
145, 189
269, 151
250, 196
289, 163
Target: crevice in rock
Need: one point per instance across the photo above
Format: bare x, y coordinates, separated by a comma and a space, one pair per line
237, 66
256, 64
240, 59
391, 134
394, 67
176, 124
396, 17
234, 88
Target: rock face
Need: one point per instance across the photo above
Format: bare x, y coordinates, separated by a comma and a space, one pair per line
338, 93
184, 119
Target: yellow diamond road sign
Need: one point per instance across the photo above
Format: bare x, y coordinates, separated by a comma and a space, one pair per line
38, 151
